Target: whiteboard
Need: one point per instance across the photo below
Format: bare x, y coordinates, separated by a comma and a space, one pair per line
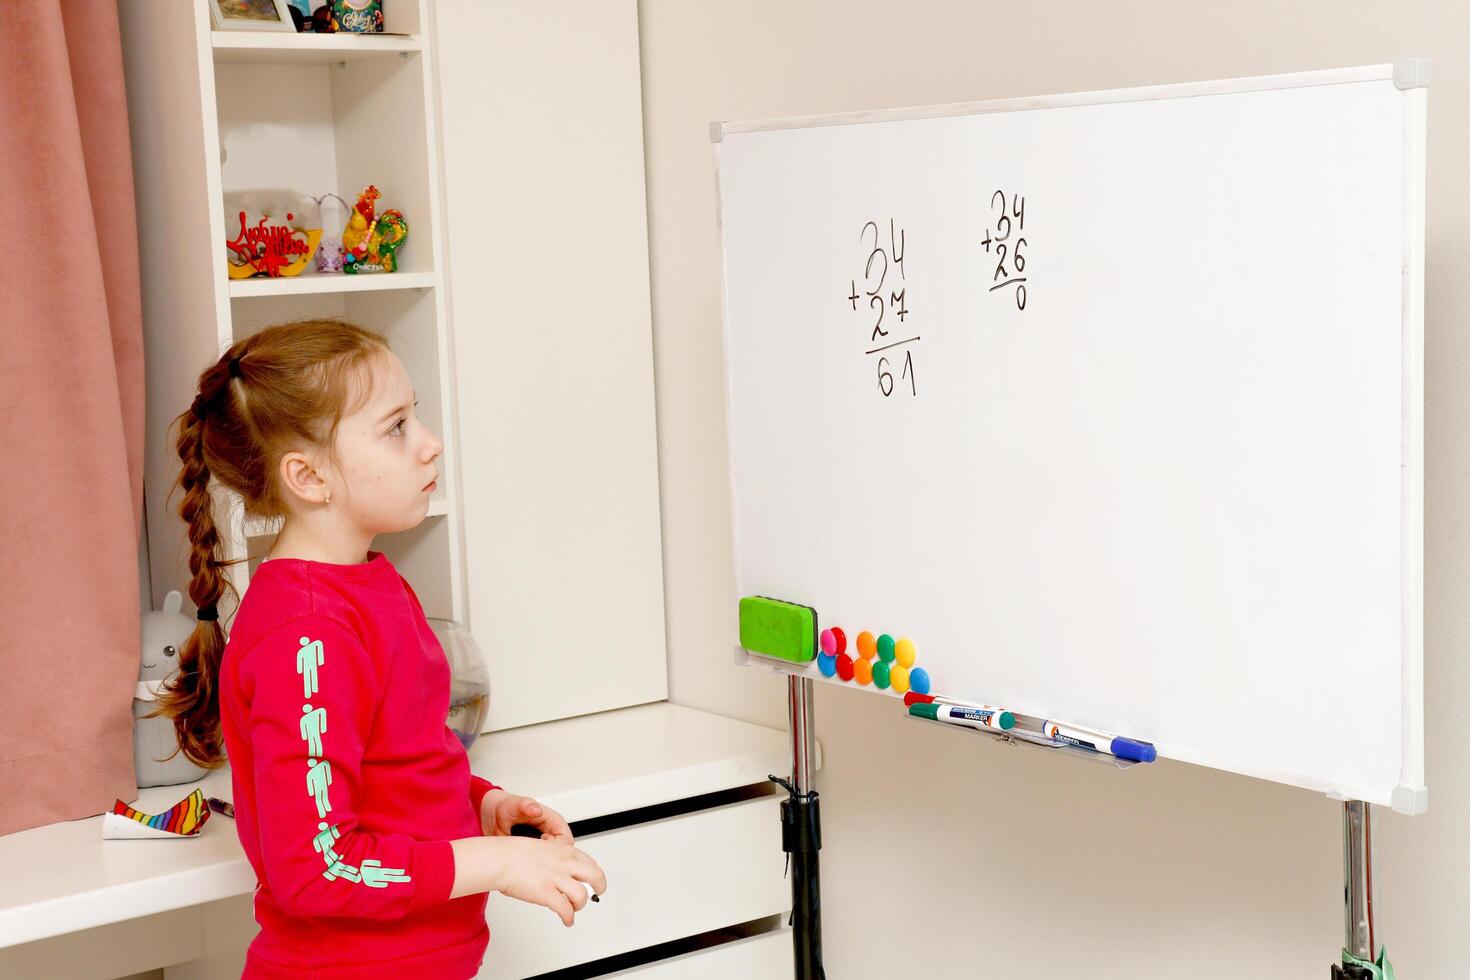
1159, 474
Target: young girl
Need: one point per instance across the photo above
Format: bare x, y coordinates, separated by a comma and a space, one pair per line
353, 799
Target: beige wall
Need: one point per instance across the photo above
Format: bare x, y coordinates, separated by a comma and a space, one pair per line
1075, 870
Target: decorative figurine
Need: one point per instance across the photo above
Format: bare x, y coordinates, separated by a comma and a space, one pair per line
334, 212
265, 246
372, 240
357, 16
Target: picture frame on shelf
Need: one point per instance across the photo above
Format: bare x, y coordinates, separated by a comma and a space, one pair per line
251, 15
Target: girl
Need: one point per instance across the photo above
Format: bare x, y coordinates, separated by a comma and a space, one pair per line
353, 800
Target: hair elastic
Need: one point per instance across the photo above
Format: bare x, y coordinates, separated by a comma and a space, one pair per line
207, 614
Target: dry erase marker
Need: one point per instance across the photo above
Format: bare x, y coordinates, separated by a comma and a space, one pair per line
914, 697
987, 719
1123, 748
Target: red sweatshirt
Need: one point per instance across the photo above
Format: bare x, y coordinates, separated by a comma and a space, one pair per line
349, 785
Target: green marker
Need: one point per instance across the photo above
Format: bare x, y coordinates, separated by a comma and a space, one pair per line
985, 719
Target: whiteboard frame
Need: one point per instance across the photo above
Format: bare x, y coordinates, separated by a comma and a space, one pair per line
1411, 76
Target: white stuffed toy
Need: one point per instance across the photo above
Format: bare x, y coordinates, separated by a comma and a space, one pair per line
164, 632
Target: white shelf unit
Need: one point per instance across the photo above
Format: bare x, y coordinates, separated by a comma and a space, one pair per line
306, 114
307, 284
278, 49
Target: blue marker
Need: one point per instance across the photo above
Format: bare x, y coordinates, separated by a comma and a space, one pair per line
1124, 748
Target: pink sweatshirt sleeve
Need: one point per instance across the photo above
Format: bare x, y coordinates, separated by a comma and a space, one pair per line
478, 788
314, 690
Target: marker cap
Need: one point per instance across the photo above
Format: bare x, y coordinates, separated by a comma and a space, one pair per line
921, 710
1127, 748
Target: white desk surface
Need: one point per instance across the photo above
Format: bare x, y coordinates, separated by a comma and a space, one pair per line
64, 877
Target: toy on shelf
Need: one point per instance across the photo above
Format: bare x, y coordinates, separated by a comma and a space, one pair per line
372, 240
362, 218
157, 760
266, 246
184, 819
357, 16
334, 213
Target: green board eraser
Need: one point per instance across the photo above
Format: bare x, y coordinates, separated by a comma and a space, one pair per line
778, 629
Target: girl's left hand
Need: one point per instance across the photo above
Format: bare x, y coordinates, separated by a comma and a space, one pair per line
500, 811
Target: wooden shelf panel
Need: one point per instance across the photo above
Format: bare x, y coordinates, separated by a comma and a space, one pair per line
306, 284
266, 47
261, 528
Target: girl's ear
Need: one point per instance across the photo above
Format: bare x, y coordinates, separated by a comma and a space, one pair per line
301, 480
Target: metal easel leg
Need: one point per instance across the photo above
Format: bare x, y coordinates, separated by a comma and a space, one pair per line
801, 833
1357, 864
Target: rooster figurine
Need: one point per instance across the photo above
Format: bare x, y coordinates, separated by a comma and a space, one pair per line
388, 233
371, 242
359, 227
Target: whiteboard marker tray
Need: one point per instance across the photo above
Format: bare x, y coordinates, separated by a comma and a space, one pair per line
1032, 739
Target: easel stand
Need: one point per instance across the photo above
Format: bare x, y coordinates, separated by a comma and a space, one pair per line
801, 838
1357, 864
801, 833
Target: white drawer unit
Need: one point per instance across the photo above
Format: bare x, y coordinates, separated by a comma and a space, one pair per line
764, 957
677, 874
667, 879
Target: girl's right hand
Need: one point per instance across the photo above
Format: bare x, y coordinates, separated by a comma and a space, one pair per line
550, 873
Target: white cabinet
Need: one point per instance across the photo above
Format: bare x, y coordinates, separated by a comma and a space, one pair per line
82, 905
521, 308
215, 113
765, 957
548, 252
667, 879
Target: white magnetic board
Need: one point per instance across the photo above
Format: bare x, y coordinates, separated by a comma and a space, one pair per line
1157, 469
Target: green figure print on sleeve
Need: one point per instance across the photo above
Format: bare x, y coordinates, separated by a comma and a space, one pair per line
323, 843
313, 724
308, 659
343, 870
318, 778
374, 875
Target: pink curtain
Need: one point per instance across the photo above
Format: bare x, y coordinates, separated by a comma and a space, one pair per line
71, 414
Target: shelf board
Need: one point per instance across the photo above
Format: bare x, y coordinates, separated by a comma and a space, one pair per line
263, 528
269, 47
307, 284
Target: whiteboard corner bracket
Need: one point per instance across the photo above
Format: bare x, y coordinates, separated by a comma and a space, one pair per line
717, 129
1410, 801
1411, 73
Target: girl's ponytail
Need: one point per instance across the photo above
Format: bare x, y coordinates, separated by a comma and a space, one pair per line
190, 696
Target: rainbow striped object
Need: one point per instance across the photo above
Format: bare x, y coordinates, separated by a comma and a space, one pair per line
184, 819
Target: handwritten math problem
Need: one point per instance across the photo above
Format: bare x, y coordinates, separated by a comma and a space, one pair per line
999, 243
879, 339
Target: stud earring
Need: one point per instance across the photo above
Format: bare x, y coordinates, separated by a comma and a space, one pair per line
328, 500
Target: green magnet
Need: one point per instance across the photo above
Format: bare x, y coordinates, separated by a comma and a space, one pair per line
885, 648
880, 673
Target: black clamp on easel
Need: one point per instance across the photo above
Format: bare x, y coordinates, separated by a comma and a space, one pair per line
801, 835
801, 839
